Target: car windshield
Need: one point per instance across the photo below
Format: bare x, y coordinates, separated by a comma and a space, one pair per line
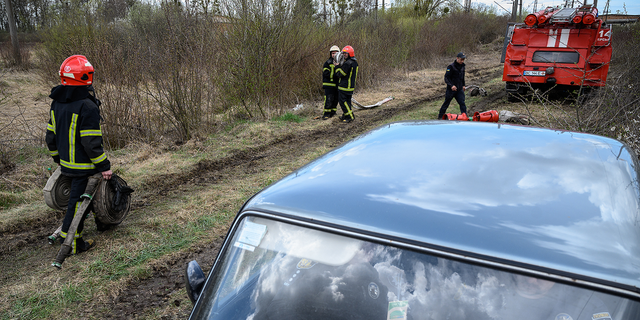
276, 270
556, 56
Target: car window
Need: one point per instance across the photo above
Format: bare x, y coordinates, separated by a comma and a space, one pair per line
275, 270
556, 56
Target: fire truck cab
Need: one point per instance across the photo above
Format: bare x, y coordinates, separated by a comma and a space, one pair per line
565, 49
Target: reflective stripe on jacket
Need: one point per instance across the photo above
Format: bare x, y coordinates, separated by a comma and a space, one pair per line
348, 73
74, 136
329, 78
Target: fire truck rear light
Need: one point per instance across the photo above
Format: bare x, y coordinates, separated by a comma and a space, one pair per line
516, 62
549, 71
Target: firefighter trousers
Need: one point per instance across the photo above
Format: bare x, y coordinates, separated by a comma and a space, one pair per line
330, 101
450, 95
344, 98
78, 186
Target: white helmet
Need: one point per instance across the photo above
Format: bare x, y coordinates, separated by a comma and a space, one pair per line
334, 48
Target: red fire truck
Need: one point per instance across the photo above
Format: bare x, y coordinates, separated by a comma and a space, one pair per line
560, 49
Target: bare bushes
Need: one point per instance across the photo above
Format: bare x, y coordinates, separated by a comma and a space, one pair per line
171, 70
615, 110
19, 138
458, 31
269, 59
9, 59
153, 71
178, 71
380, 46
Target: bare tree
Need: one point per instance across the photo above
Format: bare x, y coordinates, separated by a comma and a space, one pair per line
13, 31
427, 7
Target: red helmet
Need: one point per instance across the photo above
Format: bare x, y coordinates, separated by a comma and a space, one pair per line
76, 71
349, 50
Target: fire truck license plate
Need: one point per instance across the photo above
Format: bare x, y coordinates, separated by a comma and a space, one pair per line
534, 73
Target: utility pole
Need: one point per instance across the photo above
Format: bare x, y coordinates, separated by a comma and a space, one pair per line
13, 31
514, 11
520, 11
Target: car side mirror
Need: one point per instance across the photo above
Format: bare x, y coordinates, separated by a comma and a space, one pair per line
194, 280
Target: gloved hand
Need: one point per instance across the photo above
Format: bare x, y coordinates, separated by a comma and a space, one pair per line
122, 193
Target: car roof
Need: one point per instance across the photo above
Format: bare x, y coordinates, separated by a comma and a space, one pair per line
550, 199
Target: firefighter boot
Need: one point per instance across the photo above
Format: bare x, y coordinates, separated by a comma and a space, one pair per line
328, 115
84, 245
345, 119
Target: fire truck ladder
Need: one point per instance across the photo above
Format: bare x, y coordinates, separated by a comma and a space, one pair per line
564, 15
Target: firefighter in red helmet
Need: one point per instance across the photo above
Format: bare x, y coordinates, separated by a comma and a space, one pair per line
348, 72
74, 137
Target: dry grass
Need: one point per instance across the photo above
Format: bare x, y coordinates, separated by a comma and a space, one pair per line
25, 107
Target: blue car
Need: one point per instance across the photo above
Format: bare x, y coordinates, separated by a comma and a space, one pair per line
438, 220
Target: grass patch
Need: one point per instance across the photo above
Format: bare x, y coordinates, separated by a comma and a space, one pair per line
289, 117
29, 206
49, 303
9, 199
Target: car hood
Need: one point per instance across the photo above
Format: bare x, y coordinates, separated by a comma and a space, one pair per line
556, 199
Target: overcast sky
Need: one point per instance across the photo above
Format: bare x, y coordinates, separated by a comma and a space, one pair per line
632, 6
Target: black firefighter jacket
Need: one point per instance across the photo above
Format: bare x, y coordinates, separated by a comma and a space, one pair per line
73, 135
348, 73
455, 76
329, 77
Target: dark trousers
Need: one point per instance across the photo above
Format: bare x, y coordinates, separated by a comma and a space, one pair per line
458, 95
344, 98
78, 186
330, 101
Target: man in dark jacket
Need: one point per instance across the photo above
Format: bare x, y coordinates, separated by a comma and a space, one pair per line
74, 138
454, 78
348, 72
330, 84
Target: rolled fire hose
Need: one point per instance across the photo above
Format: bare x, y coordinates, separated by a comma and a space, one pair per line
111, 202
57, 190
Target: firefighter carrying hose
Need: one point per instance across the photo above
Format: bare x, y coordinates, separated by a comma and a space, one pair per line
74, 138
330, 84
348, 72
